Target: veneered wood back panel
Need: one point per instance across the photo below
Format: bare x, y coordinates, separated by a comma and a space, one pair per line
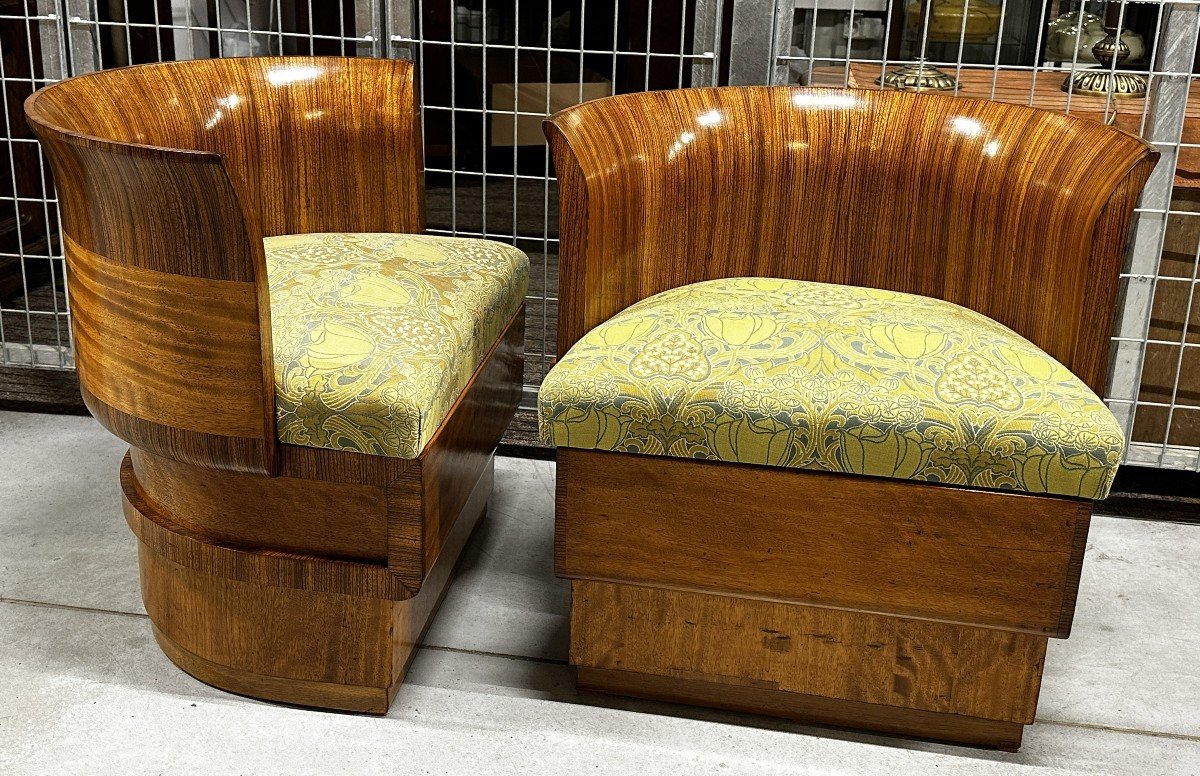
312, 144
1017, 213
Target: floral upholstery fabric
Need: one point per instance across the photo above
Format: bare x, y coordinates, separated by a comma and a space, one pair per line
375, 335
833, 378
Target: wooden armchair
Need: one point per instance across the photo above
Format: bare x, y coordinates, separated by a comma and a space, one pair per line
827, 448
312, 389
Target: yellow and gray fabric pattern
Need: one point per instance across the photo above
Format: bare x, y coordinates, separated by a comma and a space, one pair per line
833, 378
376, 335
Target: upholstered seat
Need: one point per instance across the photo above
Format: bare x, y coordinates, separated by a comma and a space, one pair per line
834, 378
376, 335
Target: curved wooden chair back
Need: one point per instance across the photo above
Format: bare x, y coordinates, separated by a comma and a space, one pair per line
169, 176
1017, 213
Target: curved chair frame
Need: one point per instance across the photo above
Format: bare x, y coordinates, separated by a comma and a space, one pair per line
298, 574
903, 606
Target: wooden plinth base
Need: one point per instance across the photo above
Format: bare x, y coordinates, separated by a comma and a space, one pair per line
805, 708
886, 604
215, 619
926, 679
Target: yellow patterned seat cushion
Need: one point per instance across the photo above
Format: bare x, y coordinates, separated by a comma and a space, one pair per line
833, 378
375, 335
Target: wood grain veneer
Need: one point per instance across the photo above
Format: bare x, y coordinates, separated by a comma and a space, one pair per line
311, 144
899, 606
328, 649
198, 339
1019, 86
992, 558
292, 515
297, 574
865, 658
839, 712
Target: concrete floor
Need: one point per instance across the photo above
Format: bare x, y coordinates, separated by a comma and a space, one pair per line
84, 689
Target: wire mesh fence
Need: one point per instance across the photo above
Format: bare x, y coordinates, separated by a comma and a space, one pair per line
490, 71
34, 328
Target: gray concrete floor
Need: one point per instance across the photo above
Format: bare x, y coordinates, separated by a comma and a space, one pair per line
84, 689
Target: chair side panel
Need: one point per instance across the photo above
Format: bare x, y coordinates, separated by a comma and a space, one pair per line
167, 312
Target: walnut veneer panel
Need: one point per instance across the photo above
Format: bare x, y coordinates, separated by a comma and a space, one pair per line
862, 543
178, 350
312, 144
976, 731
341, 520
890, 661
1044, 90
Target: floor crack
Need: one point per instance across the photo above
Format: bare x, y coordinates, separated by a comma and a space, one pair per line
69, 607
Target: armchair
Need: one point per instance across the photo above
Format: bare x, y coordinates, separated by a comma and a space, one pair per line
826, 397
312, 389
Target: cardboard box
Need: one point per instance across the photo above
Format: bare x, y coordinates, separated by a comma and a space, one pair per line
532, 98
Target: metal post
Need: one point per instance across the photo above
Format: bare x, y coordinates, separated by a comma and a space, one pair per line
400, 28
759, 34
1166, 109
82, 31
186, 16
706, 40
369, 24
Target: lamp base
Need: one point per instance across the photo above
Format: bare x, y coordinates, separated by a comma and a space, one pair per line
918, 77
1102, 83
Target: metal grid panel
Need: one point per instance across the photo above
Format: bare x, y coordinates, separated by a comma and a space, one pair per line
492, 72
1004, 50
489, 73
34, 328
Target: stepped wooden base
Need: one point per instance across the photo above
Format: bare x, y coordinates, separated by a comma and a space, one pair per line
805, 708
931, 680
880, 604
315, 586
305, 647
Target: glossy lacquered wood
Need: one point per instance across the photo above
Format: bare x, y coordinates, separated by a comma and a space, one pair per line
311, 144
1007, 210
296, 574
899, 606
297, 645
